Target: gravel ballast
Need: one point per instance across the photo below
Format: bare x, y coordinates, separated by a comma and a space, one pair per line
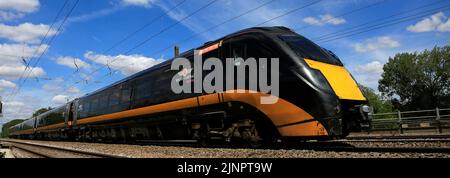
150, 151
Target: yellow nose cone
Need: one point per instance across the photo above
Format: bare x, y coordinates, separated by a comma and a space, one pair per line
340, 80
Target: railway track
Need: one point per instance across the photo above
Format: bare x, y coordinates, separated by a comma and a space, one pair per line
334, 146
355, 147
393, 137
382, 149
392, 140
48, 151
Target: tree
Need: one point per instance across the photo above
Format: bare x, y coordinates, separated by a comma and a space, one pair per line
418, 80
376, 101
6, 126
41, 111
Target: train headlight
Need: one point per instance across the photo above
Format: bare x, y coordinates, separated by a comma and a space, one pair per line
365, 108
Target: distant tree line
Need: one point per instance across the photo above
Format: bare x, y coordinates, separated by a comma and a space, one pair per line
5, 128
413, 81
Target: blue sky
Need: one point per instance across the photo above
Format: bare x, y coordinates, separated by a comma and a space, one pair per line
81, 46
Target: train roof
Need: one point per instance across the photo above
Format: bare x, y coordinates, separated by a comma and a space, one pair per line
263, 30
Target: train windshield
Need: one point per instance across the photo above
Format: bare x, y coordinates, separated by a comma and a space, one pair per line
307, 49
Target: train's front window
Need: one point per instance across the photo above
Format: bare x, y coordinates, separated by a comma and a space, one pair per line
307, 49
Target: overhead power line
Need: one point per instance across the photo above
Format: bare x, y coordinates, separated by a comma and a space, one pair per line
45, 50
380, 19
147, 39
129, 35
28, 62
169, 27
345, 14
144, 26
382, 25
233, 18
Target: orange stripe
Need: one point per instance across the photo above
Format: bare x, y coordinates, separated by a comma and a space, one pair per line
171, 106
28, 131
281, 113
53, 126
313, 128
209, 49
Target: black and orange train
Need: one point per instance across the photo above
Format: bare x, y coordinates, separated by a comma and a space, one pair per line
319, 99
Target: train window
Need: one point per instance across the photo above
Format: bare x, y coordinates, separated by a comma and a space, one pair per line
307, 49
94, 105
114, 98
143, 89
85, 109
125, 95
103, 101
239, 50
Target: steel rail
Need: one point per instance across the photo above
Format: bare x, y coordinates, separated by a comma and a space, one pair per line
19, 144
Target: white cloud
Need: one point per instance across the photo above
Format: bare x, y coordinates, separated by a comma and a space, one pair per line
374, 67
15, 9
6, 84
56, 86
368, 74
12, 56
22, 105
144, 3
128, 65
72, 62
230, 9
13, 53
376, 44
25, 32
20, 5
436, 22
6, 16
324, 19
60, 99
15, 71
14, 103
17, 110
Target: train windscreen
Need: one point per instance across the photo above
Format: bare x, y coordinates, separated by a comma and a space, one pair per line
307, 49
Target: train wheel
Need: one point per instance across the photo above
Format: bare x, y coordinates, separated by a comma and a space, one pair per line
251, 137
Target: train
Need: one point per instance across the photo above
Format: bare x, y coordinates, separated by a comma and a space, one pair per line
318, 99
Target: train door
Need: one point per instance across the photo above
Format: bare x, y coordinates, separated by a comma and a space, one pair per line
74, 112
68, 115
1, 107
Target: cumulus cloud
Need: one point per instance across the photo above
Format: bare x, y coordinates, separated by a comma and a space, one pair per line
72, 62
60, 99
144, 3
25, 32
13, 53
436, 22
13, 104
20, 108
374, 67
15, 9
56, 86
6, 16
375, 44
19, 5
6, 84
128, 65
12, 58
368, 74
324, 19
15, 71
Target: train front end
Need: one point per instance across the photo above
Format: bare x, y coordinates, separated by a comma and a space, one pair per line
324, 87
